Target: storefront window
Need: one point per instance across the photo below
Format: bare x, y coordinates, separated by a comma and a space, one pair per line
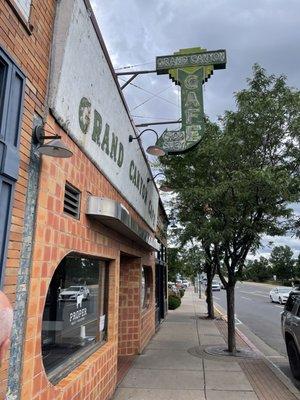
75, 313
2, 87
146, 284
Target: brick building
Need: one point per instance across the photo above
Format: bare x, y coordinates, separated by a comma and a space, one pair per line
25, 42
79, 249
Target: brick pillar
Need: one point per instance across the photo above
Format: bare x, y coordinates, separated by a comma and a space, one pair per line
129, 306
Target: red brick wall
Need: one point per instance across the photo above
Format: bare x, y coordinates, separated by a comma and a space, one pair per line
31, 53
56, 235
129, 306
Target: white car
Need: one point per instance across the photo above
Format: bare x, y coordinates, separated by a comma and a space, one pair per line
72, 292
215, 286
280, 294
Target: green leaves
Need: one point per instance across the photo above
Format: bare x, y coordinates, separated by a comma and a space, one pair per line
237, 184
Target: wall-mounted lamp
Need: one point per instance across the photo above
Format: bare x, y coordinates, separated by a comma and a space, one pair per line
54, 148
153, 150
163, 187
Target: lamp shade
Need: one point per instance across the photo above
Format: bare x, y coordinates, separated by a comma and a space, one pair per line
155, 151
55, 148
165, 188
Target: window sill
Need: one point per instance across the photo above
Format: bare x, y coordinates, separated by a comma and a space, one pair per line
146, 309
60, 372
26, 24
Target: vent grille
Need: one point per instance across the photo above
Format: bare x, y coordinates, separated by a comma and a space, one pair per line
72, 201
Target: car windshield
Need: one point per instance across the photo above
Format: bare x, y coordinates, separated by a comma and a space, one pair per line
215, 283
291, 301
284, 290
74, 288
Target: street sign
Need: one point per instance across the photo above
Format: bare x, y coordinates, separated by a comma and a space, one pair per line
217, 58
189, 68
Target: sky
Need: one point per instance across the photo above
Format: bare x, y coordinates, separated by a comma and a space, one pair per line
258, 31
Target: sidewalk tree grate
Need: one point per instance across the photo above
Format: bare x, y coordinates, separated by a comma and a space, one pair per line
221, 351
201, 352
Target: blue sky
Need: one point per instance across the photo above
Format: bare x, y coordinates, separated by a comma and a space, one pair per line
261, 31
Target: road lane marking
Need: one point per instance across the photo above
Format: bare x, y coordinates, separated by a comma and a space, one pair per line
279, 306
218, 298
246, 298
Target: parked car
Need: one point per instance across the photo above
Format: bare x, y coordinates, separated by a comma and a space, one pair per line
72, 292
215, 286
280, 294
290, 325
185, 283
173, 288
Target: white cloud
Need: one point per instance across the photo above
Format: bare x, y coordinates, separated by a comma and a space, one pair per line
263, 31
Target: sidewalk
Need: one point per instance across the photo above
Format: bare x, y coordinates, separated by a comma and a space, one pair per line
175, 366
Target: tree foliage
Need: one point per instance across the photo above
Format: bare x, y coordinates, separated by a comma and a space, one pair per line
258, 270
238, 183
186, 261
282, 262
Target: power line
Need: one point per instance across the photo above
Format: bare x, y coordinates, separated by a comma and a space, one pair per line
145, 117
133, 66
152, 94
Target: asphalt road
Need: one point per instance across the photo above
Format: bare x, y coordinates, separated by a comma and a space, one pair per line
254, 309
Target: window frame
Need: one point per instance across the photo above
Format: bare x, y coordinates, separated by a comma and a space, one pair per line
71, 362
11, 112
146, 300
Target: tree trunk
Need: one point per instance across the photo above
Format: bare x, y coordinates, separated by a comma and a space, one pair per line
231, 318
209, 295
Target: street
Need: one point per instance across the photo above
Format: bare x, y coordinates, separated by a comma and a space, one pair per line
254, 309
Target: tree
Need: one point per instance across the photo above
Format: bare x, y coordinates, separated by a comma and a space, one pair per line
258, 270
297, 268
238, 183
175, 263
282, 262
193, 262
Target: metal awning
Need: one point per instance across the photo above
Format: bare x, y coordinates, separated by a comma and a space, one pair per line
115, 216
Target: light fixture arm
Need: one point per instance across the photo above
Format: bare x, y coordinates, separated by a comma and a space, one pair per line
159, 173
131, 138
40, 134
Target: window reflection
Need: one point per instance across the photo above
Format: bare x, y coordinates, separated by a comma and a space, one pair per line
146, 284
75, 313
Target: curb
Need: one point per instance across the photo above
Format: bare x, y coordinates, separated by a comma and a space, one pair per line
277, 371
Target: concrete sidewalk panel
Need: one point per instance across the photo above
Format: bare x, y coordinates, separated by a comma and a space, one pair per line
168, 359
230, 395
208, 340
219, 365
159, 394
163, 379
227, 380
180, 318
180, 332
208, 329
176, 344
